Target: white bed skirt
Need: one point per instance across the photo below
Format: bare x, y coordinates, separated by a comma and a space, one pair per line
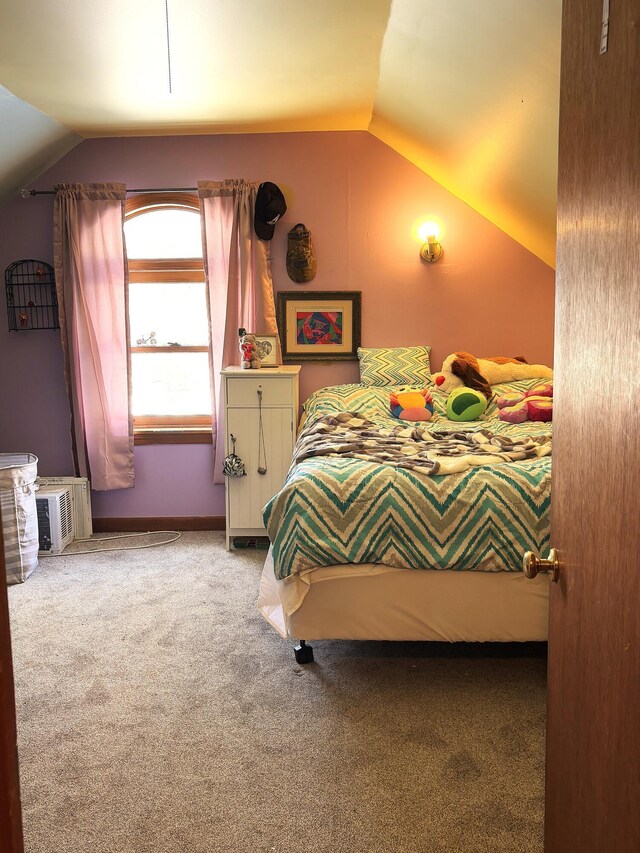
375, 602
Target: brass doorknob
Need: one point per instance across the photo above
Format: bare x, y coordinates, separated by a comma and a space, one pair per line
532, 565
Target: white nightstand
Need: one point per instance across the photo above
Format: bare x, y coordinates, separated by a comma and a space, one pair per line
278, 388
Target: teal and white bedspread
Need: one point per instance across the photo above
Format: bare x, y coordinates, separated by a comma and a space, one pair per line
339, 509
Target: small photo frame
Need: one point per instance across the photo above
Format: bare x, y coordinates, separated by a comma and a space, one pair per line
320, 325
268, 344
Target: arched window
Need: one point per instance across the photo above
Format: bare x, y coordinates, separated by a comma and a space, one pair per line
168, 319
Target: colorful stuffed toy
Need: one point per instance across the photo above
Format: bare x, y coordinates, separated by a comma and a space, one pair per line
411, 405
462, 368
536, 404
251, 356
466, 404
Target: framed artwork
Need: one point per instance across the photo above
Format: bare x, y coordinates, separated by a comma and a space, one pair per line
320, 325
268, 348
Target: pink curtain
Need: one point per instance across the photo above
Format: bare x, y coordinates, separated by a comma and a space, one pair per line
91, 281
238, 270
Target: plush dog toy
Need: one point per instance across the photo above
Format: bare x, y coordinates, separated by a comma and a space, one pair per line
462, 368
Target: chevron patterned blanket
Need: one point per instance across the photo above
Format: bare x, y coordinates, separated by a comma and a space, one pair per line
365, 489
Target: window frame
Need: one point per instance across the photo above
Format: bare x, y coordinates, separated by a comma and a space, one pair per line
166, 429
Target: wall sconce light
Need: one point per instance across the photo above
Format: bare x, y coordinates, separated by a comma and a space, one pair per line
431, 250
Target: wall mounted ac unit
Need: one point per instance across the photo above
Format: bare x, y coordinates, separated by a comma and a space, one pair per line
81, 500
55, 518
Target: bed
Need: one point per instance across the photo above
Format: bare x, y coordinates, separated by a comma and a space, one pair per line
370, 542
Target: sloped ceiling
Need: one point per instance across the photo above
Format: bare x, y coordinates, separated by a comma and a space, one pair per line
30, 142
468, 91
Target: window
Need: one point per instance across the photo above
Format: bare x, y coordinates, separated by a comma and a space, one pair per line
168, 319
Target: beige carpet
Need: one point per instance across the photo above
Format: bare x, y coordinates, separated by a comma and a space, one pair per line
158, 713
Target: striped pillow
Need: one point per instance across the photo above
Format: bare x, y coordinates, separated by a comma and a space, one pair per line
394, 366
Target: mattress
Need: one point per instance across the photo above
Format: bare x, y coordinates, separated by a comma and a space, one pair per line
345, 511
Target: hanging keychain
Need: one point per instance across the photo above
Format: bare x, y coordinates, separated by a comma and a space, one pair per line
262, 448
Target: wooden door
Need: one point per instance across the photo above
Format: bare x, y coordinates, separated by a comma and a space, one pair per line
10, 814
593, 729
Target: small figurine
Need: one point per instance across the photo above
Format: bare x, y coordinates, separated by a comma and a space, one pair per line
147, 342
249, 349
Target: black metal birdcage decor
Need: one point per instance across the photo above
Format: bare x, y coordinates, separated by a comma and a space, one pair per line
32, 302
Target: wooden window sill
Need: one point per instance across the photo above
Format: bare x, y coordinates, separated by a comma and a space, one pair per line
171, 435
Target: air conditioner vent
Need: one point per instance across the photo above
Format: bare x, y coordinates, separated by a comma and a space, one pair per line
55, 519
44, 525
66, 515
80, 489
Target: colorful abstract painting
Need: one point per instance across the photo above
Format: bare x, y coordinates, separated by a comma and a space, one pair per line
319, 327
322, 325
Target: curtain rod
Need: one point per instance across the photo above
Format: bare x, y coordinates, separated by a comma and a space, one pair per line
26, 193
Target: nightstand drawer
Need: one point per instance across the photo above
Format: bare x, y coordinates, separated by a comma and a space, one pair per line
244, 392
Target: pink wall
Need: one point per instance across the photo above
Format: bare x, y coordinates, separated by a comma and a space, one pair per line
360, 199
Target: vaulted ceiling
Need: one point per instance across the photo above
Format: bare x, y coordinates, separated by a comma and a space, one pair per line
466, 90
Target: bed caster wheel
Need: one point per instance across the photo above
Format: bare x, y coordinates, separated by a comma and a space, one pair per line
303, 652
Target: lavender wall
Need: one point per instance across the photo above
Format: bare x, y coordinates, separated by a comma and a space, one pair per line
361, 200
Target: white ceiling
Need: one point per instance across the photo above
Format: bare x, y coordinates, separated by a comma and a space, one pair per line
237, 65
467, 90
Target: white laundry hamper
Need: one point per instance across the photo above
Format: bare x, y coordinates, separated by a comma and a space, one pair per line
18, 472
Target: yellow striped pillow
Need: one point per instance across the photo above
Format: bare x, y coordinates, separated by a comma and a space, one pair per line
394, 365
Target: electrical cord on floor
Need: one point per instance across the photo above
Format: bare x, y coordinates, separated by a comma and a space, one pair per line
174, 533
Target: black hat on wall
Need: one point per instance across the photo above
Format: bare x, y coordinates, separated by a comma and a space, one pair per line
270, 206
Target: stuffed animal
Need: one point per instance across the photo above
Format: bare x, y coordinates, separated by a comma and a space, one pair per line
411, 405
466, 404
249, 349
462, 368
536, 404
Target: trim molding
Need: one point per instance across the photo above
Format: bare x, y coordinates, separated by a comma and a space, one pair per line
142, 436
144, 524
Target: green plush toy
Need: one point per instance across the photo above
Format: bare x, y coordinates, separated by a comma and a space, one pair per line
466, 404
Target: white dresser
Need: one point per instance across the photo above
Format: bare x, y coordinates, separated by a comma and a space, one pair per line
277, 388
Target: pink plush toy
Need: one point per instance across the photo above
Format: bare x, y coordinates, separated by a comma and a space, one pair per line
540, 408
509, 399
534, 405
515, 413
